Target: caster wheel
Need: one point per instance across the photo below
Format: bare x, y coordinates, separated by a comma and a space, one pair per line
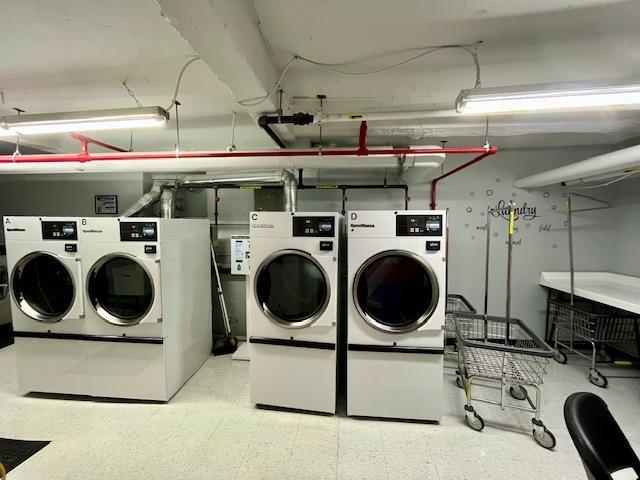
518, 392
545, 438
598, 379
459, 382
559, 357
474, 421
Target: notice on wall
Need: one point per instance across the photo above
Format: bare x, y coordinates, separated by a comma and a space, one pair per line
106, 204
240, 254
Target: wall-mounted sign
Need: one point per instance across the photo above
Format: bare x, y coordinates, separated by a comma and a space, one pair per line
106, 204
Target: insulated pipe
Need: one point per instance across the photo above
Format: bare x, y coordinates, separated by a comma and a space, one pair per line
608, 163
158, 162
290, 185
167, 203
321, 118
145, 200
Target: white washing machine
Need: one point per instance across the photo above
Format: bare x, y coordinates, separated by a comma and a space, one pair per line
5, 301
47, 303
396, 314
293, 309
148, 297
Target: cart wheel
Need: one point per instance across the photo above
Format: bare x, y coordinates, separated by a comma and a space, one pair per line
459, 382
559, 357
518, 392
545, 438
604, 356
598, 379
474, 421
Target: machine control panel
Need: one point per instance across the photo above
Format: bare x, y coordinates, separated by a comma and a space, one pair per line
138, 231
59, 231
418, 225
314, 226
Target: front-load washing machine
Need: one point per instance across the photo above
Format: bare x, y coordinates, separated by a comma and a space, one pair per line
47, 302
148, 297
294, 305
396, 314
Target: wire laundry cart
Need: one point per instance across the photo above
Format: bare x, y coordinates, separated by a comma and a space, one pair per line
587, 321
455, 303
596, 328
505, 351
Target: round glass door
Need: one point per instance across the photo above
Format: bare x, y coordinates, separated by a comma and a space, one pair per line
292, 288
120, 289
395, 291
43, 287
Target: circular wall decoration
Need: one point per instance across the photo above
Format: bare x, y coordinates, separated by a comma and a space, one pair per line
466, 225
529, 190
495, 235
514, 194
546, 194
497, 180
469, 209
473, 237
472, 194
482, 214
553, 207
489, 192
565, 223
555, 245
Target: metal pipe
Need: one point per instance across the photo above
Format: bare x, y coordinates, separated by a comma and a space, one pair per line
84, 141
149, 198
487, 151
509, 263
167, 203
290, 185
570, 231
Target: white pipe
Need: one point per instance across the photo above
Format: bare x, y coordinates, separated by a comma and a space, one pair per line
167, 203
609, 163
145, 200
381, 116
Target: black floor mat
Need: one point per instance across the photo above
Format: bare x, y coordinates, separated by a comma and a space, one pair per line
14, 452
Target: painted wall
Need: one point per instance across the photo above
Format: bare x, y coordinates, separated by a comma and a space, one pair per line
68, 195
625, 254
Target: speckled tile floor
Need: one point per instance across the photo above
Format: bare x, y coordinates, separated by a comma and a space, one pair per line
210, 430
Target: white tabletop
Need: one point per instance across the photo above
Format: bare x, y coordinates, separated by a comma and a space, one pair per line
619, 291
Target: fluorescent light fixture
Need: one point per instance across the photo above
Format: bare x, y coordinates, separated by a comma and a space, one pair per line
5, 132
546, 97
123, 118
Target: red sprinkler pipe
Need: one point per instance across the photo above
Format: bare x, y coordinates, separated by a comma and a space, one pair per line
85, 141
486, 152
172, 156
362, 139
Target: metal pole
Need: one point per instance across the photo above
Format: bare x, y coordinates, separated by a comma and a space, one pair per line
486, 273
509, 255
570, 231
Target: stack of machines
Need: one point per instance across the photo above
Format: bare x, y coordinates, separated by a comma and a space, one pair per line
390, 333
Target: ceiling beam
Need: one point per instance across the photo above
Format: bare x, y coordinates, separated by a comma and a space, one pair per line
226, 35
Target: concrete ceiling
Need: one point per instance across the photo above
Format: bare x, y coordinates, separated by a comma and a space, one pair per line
73, 55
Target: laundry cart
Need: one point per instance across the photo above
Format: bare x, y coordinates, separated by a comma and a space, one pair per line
455, 303
502, 351
596, 325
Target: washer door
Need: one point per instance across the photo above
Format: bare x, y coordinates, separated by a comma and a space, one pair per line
121, 289
43, 287
292, 288
395, 291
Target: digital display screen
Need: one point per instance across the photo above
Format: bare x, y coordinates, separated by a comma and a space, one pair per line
59, 231
138, 231
419, 225
313, 226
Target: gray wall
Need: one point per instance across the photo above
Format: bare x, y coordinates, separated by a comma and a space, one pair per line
65, 195
625, 231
